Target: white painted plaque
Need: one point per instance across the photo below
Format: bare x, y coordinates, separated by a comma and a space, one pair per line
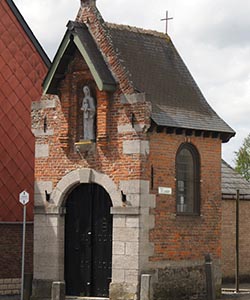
165, 190
24, 197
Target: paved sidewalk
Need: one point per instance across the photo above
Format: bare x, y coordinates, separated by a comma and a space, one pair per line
228, 292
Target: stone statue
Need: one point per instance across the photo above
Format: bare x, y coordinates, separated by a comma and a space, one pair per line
89, 111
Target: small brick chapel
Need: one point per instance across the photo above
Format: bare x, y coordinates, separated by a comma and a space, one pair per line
127, 168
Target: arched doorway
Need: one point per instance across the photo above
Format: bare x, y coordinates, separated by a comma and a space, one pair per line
88, 241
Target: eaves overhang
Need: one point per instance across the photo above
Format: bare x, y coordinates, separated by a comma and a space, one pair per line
79, 36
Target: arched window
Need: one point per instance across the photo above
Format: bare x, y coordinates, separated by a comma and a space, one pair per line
188, 180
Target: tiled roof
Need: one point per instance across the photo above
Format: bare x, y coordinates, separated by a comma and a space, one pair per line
155, 67
21, 71
231, 181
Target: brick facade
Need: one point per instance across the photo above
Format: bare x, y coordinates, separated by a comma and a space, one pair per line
173, 242
149, 239
123, 164
176, 237
181, 242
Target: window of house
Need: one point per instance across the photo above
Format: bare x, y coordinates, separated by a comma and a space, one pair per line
188, 180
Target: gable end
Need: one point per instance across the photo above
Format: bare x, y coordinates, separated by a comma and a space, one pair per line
78, 36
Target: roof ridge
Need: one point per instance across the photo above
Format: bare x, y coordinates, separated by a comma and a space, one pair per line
228, 165
138, 30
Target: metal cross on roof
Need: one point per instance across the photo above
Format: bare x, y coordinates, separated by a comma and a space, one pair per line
167, 19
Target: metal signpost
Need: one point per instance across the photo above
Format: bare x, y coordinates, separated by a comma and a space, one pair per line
237, 263
23, 199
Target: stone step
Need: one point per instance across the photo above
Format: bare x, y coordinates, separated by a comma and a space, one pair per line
84, 298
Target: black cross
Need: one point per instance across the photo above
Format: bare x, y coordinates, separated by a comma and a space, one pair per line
167, 19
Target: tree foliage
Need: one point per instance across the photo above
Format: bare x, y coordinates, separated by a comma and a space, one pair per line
242, 160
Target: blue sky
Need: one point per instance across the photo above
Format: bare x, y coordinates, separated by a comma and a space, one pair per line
211, 36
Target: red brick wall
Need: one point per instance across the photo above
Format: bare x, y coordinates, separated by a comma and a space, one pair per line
11, 250
228, 239
66, 122
91, 16
186, 237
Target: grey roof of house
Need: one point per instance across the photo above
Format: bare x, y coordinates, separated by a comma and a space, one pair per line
155, 68
231, 181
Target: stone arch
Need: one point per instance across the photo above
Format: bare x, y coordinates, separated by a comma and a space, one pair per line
85, 176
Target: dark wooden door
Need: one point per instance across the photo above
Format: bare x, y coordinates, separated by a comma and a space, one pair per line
88, 241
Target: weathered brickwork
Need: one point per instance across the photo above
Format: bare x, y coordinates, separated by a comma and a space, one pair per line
65, 121
90, 14
108, 155
229, 240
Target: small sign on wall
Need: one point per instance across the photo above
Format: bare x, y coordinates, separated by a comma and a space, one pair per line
164, 190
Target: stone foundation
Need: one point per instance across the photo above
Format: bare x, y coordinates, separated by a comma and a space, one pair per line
123, 291
183, 281
180, 284
41, 289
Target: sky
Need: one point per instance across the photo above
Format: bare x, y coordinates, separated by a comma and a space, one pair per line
212, 37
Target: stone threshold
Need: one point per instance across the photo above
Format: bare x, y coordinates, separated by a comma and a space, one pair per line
84, 298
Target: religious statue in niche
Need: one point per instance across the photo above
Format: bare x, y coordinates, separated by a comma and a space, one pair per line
89, 111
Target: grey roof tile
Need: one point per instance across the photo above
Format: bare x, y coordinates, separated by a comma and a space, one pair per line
231, 181
156, 68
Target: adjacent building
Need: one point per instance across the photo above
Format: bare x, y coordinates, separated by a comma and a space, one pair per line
231, 182
23, 64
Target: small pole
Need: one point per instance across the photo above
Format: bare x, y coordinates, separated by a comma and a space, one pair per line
23, 199
23, 250
237, 244
211, 294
